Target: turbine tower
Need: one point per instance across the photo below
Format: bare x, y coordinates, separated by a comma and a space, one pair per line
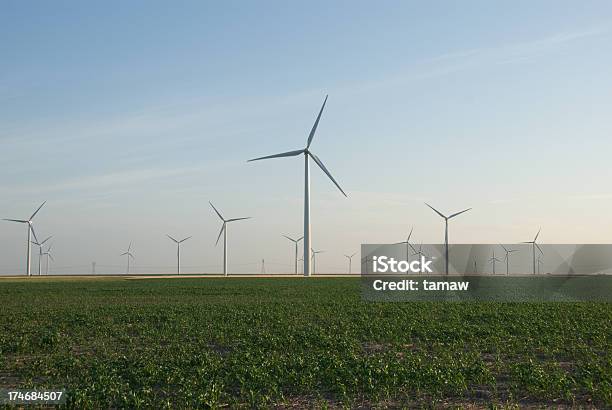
40, 252
533, 246
295, 241
540, 262
128, 255
350, 259
48, 254
314, 260
492, 260
408, 245
224, 232
507, 258
178, 252
30, 231
446, 218
307, 155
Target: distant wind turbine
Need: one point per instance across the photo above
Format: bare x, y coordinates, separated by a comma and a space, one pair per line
314, 260
492, 260
307, 154
128, 255
446, 218
408, 245
40, 252
30, 231
178, 252
533, 246
48, 255
420, 251
295, 241
350, 261
224, 232
507, 258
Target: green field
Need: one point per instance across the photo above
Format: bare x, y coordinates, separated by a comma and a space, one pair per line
295, 342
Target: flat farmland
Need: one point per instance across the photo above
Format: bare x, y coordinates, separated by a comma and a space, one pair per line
294, 342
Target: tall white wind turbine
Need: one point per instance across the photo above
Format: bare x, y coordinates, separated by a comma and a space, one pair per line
178, 252
49, 256
350, 261
307, 155
295, 241
507, 258
224, 232
492, 260
40, 251
30, 231
446, 218
408, 245
533, 247
129, 256
314, 260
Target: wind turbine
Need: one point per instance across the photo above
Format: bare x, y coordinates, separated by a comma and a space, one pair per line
350, 259
48, 254
408, 245
295, 241
507, 258
307, 155
178, 252
224, 232
314, 260
533, 246
446, 218
30, 230
129, 255
40, 251
420, 251
492, 260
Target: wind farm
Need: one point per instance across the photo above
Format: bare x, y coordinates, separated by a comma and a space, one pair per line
325, 205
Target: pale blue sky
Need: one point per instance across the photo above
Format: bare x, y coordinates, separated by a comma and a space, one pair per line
129, 118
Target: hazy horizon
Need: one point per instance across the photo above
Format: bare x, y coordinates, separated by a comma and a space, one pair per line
129, 118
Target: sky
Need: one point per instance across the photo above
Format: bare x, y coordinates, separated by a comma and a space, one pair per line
129, 117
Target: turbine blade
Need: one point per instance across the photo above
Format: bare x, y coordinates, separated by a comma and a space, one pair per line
458, 213
540, 249
237, 219
292, 240
183, 240
131, 256
33, 232
354, 254
16, 220
410, 234
316, 124
218, 213
35, 212
435, 210
320, 164
300, 238
171, 238
49, 255
503, 247
538, 234
123, 254
412, 247
220, 232
130, 246
284, 154
42, 243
